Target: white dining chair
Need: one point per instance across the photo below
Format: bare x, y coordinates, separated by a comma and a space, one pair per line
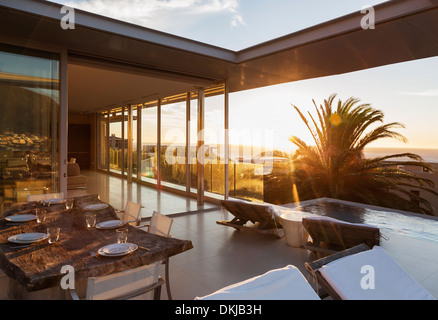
45, 196
134, 284
131, 213
161, 225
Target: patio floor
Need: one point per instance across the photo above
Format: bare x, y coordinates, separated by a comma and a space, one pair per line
222, 256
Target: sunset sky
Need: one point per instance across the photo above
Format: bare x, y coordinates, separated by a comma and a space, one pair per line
407, 92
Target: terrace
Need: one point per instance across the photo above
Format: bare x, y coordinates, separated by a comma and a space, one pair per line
105, 83
222, 256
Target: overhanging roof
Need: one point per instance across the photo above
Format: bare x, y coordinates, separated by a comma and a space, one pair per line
157, 62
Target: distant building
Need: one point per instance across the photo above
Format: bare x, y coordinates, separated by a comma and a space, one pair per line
115, 143
424, 173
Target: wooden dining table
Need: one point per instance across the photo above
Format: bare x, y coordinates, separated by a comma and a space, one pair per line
38, 266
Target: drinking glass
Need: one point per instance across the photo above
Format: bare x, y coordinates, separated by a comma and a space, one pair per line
69, 204
122, 235
90, 219
46, 202
53, 234
40, 215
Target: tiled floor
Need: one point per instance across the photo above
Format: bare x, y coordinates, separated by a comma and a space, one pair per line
117, 191
222, 256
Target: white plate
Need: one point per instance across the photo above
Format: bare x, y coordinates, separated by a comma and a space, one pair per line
21, 218
117, 249
111, 224
27, 237
96, 206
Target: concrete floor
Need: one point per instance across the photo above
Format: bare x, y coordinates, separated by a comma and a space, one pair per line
222, 256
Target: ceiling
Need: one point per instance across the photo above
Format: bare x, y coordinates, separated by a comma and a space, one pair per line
93, 87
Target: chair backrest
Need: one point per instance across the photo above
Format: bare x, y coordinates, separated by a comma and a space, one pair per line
251, 211
287, 283
123, 285
132, 213
341, 278
45, 196
160, 224
336, 233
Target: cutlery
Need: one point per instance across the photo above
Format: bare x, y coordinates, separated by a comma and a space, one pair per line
23, 246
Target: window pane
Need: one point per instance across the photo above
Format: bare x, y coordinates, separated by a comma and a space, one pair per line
134, 141
115, 142
149, 143
214, 170
193, 145
102, 140
125, 137
173, 140
29, 104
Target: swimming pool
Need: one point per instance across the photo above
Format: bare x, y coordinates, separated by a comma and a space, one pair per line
421, 227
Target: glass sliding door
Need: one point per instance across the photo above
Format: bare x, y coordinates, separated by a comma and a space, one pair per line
102, 140
214, 170
124, 163
173, 143
163, 141
134, 141
116, 141
29, 104
193, 145
149, 143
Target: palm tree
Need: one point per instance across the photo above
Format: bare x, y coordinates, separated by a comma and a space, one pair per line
336, 167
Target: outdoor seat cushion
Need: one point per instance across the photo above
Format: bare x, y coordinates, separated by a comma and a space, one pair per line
372, 275
251, 211
287, 283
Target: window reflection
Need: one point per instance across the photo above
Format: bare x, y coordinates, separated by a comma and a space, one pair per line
102, 141
149, 143
29, 102
117, 142
173, 143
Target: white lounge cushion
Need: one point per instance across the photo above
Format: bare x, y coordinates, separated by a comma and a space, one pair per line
391, 282
287, 283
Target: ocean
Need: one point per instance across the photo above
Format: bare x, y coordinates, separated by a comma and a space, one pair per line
429, 155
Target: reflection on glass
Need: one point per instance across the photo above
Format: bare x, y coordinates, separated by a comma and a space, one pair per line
149, 143
246, 180
214, 170
29, 102
173, 140
125, 137
102, 154
116, 141
134, 141
193, 145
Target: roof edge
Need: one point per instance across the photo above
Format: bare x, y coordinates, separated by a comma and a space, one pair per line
91, 20
386, 11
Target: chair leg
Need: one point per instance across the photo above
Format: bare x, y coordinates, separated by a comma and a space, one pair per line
157, 292
166, 268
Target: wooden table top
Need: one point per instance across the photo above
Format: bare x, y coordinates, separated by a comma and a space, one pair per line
38, 266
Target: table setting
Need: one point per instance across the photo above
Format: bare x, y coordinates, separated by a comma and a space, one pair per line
32, 249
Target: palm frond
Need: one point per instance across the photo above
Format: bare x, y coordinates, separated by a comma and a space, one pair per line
335, 166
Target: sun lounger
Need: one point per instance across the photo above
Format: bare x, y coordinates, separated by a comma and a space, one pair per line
287, 283
263, 216
331, 235
361, 273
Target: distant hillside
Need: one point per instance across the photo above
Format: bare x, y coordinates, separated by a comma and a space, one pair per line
24, 111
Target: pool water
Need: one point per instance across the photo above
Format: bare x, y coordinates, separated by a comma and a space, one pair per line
424, 228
